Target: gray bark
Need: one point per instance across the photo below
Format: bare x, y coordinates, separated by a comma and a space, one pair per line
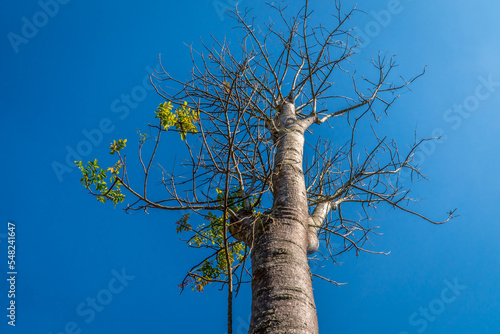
282, 295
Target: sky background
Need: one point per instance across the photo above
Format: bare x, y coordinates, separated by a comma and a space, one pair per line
69, 76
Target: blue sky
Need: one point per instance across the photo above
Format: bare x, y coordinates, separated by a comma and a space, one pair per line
81, 71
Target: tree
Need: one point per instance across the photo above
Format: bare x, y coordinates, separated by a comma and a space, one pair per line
246, 118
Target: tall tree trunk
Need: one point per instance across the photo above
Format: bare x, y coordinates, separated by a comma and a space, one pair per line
282, 295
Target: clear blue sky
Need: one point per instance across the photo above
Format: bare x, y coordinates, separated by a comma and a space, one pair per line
72, 74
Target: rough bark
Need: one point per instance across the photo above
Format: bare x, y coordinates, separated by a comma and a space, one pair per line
282, 295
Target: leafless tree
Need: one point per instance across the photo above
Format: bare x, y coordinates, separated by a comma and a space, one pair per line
280, 190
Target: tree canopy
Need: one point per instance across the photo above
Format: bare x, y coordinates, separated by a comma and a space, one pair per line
246, 118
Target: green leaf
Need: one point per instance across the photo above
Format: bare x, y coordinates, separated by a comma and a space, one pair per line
183, 118
94, 176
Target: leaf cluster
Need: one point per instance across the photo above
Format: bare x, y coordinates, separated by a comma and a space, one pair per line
183, 118
211, 235
94, 178
116, 146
